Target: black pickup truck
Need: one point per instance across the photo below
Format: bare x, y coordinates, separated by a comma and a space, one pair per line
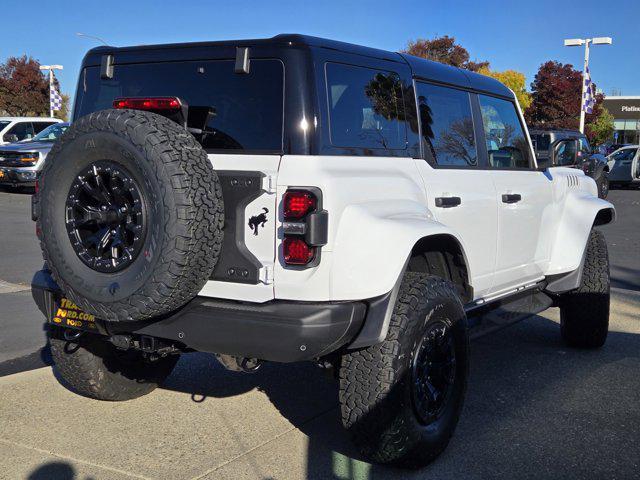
570, 148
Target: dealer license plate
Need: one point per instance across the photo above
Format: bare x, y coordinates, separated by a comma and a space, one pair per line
67, 314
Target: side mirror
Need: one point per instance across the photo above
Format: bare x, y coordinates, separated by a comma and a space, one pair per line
11, 138
564, 153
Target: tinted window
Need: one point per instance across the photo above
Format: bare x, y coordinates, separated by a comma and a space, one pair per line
3, 125
584, 145
227, 111
626, 154
365, 107
22, 130
541, 141
39, 126
447, 125
51, 133
566, 153
507, 144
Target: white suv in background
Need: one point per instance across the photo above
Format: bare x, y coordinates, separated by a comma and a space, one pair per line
16, 129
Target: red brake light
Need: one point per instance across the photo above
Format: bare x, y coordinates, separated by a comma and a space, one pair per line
297, 204
148, 103
296, 251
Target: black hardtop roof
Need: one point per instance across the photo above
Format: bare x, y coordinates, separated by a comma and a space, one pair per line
558, 132
421, 68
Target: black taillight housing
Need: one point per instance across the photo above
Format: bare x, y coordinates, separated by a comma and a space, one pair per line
305, 226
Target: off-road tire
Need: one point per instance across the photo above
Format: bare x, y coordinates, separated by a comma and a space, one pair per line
184, 207
584, 313
375, 383
91, 366
603, 185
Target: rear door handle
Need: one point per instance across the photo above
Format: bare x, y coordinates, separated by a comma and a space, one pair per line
448, 202
511, 197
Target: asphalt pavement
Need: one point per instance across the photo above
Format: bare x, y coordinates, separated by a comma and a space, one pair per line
534, 409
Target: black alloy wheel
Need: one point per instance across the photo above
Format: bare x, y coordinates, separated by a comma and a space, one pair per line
105, 217
433, 372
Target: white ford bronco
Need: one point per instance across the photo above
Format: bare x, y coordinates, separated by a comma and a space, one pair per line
301, 199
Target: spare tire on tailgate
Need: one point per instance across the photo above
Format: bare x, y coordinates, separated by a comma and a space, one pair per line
130, 215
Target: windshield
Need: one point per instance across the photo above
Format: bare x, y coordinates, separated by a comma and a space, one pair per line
51, 133
3, 124
626, 154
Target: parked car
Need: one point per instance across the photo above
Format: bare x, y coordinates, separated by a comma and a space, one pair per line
355, 212
20, 162
624, 166
16, 129
613, 147
594, 164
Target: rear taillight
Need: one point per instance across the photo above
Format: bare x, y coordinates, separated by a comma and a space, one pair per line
296, 251
304, 227
297, 204
148, 103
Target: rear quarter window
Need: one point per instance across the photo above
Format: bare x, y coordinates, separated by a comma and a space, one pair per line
227, 111
366, 108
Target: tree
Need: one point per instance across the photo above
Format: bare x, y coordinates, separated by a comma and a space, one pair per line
23, 88
555, 97
556, 94
516, 81
599, 125
443, 50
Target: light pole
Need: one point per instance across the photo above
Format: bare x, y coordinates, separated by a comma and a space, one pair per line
85, 35
577, 42
51, 68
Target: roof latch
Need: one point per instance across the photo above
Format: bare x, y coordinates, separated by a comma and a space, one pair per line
242, 60
106, 67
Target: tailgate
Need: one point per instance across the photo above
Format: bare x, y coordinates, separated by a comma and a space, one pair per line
245, 268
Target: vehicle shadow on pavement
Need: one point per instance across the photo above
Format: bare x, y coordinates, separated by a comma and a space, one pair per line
534, 409
59, 470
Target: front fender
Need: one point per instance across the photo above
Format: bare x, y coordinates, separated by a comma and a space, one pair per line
373, 243
578, 216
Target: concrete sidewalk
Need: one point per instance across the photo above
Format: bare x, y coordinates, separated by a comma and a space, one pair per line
534, 409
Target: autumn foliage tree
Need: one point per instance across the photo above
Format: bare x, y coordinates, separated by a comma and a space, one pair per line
556, 94
513, 79
444, 50
23, 88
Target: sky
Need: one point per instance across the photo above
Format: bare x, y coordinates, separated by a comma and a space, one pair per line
514, 34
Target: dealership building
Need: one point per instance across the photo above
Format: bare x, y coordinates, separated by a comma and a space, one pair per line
626, 114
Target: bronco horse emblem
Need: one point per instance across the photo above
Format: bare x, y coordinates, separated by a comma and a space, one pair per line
258, 220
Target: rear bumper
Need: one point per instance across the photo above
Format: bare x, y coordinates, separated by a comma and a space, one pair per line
279, 331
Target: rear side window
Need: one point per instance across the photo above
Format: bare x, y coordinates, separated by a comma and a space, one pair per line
507, 144
447, 125
22, 130
227, 111
365, 107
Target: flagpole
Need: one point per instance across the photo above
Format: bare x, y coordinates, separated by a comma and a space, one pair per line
584, 83
50, 69
50, 92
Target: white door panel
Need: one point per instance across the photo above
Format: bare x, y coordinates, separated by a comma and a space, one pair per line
524, 226
475, 220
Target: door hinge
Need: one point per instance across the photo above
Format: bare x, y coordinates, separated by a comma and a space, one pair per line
269, 184
266, 274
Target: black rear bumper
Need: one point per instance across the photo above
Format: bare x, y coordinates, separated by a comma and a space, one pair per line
279, 331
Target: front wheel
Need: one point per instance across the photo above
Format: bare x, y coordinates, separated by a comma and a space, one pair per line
603, 185
584, 312
401, 399
91, 366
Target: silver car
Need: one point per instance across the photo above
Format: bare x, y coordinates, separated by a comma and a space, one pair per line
624, 166
20, 162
